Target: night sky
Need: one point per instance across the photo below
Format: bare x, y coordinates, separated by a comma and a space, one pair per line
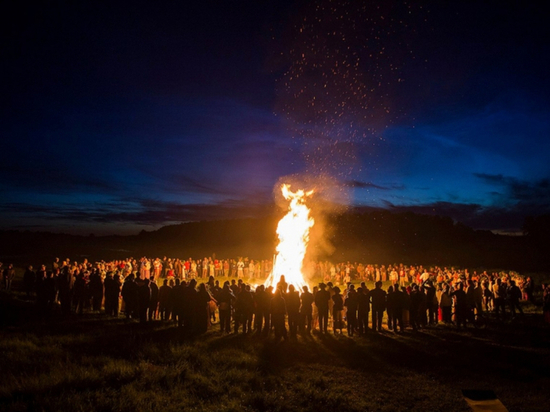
123, 116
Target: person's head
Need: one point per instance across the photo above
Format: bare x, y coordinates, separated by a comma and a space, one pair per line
336, 290
322, 286
305, 289
291, 288
378, 284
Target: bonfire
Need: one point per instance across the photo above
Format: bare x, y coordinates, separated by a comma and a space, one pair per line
293, 232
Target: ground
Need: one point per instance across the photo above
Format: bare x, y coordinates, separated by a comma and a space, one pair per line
91, 363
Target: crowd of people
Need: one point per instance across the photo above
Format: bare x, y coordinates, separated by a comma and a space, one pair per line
189, 293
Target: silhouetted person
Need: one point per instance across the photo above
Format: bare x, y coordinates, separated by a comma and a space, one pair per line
278, 311
461, 307
112, 293
431, 302
130, 296
398, 307
352, 305
164, 300
306, 308
258, 296
337, 309
225, 302
321, 301
514, 295
500, 296
244, 307
50, 291
154, 302
29, 281
390, 307
378, 305
64, 285
363, 309
282, 285
178, 297
144, 298
415, 303
80, 293
203, 299
292, 300
96, 290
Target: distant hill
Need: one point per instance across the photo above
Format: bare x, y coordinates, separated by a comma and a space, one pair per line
376, 237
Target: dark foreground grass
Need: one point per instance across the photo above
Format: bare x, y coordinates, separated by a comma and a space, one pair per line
93, 363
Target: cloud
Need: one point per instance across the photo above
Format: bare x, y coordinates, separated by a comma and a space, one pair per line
356, 184
535, 192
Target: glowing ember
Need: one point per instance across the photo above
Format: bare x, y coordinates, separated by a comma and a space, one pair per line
293, 232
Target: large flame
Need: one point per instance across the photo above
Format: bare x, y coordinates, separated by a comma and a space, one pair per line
293, 232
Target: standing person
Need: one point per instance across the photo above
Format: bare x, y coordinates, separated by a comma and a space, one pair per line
261, 308
406, 306
278, 312
39, 285
321, 302
164, 300
446, 304
244, 307
461, 305
96, 290
306, 309
390, 307
50, 291
292, 300
431, 302
9, 274
80, 293
64, 284
29, 280
399, 304
130, 296
203, 299
415, 304
225, 302
378, 305
189, 306
499, 293
514, 295
363, 308
144, 298
352, 305
112, 294
154, 302
177, 302
337, 309
528, 289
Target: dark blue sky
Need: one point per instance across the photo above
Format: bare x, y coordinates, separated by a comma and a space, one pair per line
121, 116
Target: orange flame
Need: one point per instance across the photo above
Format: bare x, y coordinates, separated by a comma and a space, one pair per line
293, 232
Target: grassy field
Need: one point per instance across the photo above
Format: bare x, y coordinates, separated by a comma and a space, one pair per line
92, 363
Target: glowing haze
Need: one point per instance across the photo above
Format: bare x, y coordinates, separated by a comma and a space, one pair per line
293, 231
